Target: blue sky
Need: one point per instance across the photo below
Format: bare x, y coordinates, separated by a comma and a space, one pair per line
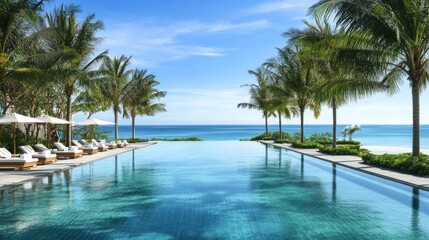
201, 51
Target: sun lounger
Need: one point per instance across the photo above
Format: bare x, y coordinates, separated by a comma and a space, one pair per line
87, 149
64, 151
44, 157
101, 147
120, 144
25, 161
111, 145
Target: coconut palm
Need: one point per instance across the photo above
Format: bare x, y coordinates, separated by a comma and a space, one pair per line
260, 96
282, 101
112, 84
295, 72
139, 97
340, 83
21, 58
78, 40
398, 40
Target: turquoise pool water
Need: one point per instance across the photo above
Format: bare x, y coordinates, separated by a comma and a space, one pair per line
213, 190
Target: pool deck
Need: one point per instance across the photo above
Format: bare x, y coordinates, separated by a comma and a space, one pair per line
356, 163
10, 178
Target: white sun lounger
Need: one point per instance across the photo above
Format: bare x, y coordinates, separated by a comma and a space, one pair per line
25, 161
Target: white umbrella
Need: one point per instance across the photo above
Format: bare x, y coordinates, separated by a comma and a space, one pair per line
15, 118
93, 121
51, 120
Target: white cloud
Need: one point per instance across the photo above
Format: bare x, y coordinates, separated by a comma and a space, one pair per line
279, 6
151, 44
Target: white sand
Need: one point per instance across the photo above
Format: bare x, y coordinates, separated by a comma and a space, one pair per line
390, 149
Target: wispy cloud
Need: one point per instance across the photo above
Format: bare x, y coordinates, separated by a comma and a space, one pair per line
279, 6
151, 44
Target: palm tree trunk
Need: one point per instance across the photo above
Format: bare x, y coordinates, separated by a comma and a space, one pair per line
416, 117
133, 125
68, 118
334, 124
266, 124
116, 123
280, 125
301, 113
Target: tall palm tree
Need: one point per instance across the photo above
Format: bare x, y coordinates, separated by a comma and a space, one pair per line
398, 40
296, 73
282, 101
20, 55
113, 82
340, 83
78, 40
260, 96
139, 97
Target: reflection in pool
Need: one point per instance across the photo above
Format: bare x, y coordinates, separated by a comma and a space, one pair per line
214, 190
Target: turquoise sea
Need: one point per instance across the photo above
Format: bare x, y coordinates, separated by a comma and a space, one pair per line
385, 135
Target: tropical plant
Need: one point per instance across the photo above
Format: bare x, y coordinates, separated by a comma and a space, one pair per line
112, 83
139, 97
350, 130
78, 41
397, 41
295, 72
339, 83
21, 57
282, 100
260, 96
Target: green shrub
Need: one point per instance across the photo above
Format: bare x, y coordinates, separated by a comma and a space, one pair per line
322, 138
348, 142
189, 139
403, 162
298, 144
344, 150
272, 136
282, 141
297, 137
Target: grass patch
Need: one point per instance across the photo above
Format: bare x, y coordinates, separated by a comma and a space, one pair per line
189, 139
403, 162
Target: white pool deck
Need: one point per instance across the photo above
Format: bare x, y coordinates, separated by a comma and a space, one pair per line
356, 163
10, 178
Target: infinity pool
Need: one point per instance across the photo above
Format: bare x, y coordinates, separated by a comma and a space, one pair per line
213, 190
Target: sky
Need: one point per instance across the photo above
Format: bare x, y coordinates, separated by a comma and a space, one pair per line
201, 51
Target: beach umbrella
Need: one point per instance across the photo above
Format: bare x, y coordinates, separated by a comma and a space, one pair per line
14, 118
94, 122
52, 120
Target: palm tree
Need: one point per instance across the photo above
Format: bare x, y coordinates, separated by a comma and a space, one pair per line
139, 97
397, 41
340, 83
282, 101
260, 96
295, 72
112, 84
20, 55
78, 41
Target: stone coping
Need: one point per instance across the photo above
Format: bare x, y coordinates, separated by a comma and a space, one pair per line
11, 178
356, 163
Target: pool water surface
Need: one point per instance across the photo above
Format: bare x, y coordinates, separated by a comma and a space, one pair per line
213, 190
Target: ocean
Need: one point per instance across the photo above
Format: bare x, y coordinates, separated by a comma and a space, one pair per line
381, 135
